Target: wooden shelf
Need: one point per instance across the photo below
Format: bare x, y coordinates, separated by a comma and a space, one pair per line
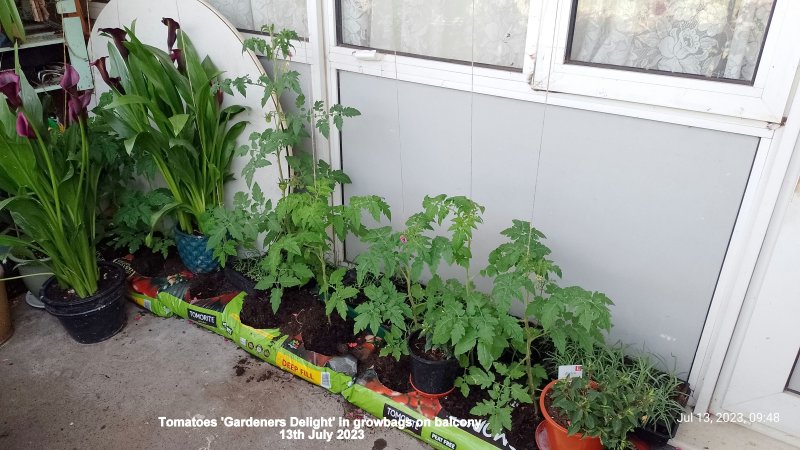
51, 87
38, 40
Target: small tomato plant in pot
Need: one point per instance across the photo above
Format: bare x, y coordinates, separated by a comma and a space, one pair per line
450, 322
51, 181
390, 269
522, 272
167, 105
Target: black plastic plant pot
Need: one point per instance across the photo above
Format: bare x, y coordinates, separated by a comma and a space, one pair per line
95, 318
432, 378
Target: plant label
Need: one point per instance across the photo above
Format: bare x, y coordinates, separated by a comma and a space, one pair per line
573, 371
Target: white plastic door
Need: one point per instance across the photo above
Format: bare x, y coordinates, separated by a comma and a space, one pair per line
760, 390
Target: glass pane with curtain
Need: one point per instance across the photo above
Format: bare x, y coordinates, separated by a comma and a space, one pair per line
251, 15
718, 39
488, 32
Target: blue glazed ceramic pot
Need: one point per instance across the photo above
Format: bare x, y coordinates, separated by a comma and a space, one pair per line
194, 252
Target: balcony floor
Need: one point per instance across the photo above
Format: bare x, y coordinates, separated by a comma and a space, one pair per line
56, 393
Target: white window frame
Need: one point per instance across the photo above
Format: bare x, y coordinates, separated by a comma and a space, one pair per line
765, 100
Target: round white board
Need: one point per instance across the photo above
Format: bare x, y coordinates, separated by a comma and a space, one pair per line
211, 35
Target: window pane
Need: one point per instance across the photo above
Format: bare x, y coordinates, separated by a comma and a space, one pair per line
253, 14
709, 38
488, 32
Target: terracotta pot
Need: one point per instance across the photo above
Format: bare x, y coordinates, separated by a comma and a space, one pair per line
557, 435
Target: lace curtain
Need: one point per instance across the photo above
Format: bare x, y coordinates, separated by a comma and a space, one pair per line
712, 38
253, 14
485, 31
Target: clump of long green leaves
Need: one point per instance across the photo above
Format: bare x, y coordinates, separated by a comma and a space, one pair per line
10, 22
51, 180
168, 107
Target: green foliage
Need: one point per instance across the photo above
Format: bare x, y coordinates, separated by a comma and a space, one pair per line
228, 230
523, 272
297, 230
51, 186
450, 315
131, 222
387, 305
505, 392
466, 323
615, 395
572, 314
174, 117
302, 228
10, 22
285, 130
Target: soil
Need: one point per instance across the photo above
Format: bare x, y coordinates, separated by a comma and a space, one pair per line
257, 310
149, 264
210, 285
557, 415
524, 418
109, 252
434, 354
325, 335
301, 313
394, 374
107, 279
524, 421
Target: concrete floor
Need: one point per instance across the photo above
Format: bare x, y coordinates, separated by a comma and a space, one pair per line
55, 393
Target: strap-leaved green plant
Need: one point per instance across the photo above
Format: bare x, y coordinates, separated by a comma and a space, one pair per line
50, 179
167, 105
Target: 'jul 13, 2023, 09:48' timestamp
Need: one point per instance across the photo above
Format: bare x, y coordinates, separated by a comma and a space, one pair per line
730, 417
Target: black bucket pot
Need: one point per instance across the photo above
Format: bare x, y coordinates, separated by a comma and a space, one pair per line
432, 378
94, 318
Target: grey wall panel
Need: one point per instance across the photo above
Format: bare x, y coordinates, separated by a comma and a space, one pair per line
505, 141
638, 209
372, 156
434, 143
642, 211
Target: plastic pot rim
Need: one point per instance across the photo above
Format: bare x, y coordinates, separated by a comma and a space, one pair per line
83, 301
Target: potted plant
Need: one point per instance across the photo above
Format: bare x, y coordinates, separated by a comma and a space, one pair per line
522, 272
167, 105
451, 324
601, 409
50, 178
